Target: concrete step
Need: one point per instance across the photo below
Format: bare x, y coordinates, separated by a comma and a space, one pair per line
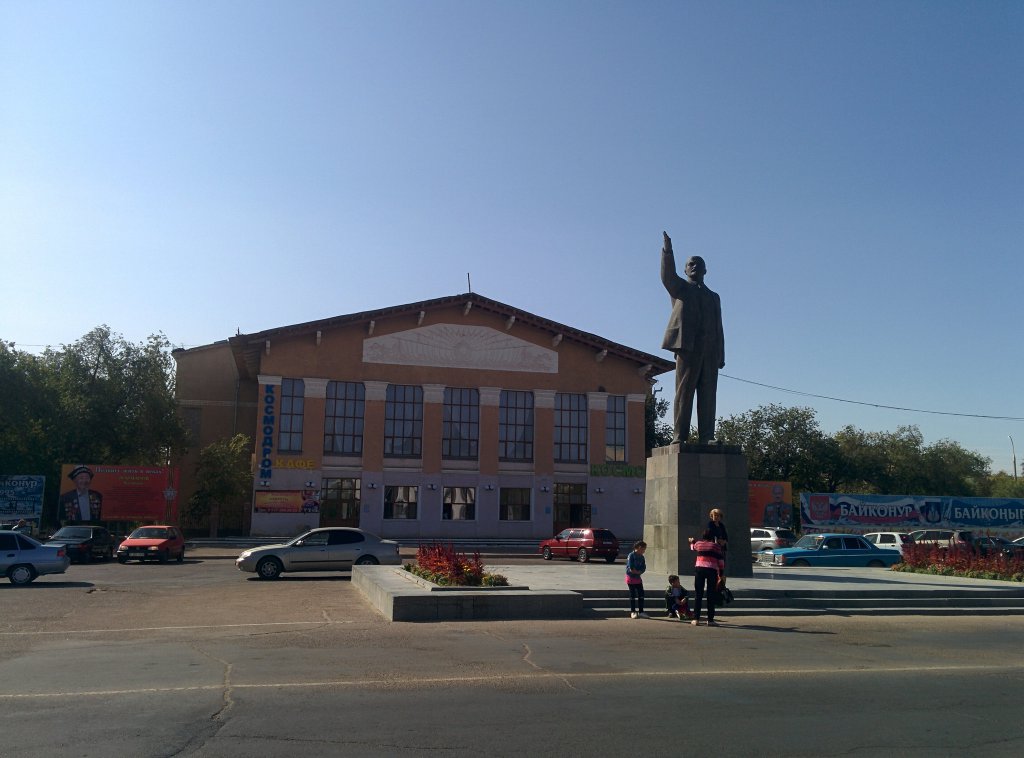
904, 601
724, 614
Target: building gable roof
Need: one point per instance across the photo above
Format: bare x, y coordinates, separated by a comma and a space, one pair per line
248, 347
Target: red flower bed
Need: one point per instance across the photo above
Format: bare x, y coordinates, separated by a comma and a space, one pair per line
961, 560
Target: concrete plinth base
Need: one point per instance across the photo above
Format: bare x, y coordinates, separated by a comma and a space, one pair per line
684, 482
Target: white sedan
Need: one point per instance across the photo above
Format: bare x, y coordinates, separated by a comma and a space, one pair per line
334, 548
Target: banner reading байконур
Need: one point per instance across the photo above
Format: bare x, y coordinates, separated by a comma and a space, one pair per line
910, 512
21, 497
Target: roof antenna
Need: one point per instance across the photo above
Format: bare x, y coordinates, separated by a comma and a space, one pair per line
469, 283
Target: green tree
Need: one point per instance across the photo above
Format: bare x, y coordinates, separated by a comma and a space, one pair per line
101, 399
657, 432
223, 480
1002, 484
899, 463
781, 444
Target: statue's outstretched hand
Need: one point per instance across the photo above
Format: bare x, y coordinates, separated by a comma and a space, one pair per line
667, 246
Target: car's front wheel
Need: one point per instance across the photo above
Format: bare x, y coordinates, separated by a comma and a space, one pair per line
269, 568
122, 559
21, 574
582, 556
181, 556
546, 554
875, 564
800, 563
366, 560
609, 559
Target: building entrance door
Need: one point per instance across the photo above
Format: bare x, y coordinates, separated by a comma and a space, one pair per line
570, 506
339, 502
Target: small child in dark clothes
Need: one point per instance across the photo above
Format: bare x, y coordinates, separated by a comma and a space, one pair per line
675, 600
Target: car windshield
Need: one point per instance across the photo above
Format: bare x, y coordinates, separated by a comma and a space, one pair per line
809, 541
72, 533
149, 533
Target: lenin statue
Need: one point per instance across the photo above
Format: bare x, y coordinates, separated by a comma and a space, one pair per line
694, 333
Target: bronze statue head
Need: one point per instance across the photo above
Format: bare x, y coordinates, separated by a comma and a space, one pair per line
695, 269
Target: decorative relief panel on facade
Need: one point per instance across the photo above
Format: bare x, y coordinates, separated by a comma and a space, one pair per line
460, 346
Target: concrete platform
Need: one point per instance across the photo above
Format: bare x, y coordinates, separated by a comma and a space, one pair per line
571, 590
566, 589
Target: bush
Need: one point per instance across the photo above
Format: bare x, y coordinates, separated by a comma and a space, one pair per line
442, 564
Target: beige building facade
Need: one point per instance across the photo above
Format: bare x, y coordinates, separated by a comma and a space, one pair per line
459, 417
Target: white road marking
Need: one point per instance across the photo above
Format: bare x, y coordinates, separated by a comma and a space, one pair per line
172, 628
505, 678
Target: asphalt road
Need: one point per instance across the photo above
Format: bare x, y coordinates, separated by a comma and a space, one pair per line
198, 659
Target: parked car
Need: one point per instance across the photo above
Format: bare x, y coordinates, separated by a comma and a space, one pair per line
830, 550
23, 558
988, 544
942, 537
159, 542
84, 543
765, 538
333, 548
581, 544
888, 540
1019, 541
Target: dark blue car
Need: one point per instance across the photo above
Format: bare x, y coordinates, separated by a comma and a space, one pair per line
839, 550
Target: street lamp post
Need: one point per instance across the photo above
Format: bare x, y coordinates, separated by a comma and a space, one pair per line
1014, 457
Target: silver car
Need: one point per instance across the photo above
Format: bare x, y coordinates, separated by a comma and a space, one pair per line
334, 548
23, 558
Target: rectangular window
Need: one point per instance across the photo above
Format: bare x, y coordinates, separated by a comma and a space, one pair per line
515, 426
339, 499
343, 418
403, 421
570, 428
459, 504
615, 430
514, 504
460, 431
400, 502
289, 438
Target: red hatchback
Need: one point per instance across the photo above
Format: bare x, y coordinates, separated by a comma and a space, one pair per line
153, 543
581, 544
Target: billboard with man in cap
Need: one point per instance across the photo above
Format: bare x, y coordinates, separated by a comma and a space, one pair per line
119, 493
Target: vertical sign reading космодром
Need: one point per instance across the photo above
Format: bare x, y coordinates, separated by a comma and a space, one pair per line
267, 444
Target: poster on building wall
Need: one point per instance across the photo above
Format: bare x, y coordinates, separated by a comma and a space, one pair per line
21, 497
770, 503
910, 512
286, 501
117, 493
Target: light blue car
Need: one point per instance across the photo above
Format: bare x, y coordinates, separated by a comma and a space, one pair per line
830, 550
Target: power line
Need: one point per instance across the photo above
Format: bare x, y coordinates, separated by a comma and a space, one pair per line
872, 405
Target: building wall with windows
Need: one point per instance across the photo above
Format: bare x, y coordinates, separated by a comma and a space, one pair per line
454, 417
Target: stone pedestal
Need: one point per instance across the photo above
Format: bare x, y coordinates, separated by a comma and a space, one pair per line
684, 482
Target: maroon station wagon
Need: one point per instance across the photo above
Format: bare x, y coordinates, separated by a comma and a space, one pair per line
581, 544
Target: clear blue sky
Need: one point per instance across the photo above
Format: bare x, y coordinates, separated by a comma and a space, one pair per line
852, 172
